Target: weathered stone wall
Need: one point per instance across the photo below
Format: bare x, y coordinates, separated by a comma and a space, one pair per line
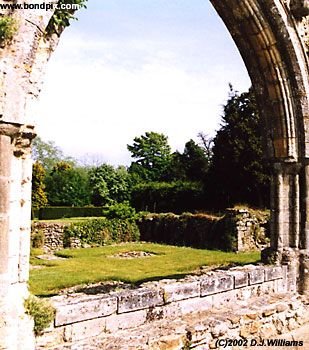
22, 64
237, 230
242, 226
54, 236
250, 227
83, 316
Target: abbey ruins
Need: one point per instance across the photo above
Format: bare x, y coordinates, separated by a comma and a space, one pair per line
273, 39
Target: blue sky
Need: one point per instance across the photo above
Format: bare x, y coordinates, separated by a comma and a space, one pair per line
126, 67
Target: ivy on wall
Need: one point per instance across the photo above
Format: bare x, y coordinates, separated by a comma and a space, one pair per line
8, 28
61, 17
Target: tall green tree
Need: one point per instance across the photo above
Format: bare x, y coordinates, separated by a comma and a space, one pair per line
39, 197
153, 156
48, 154
238, 172
191, 165
67, 185
109, 185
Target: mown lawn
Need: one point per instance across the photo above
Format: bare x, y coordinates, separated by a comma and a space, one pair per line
90, 265
68, 220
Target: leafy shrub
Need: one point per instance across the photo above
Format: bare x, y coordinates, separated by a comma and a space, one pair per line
185, 230
41, 311
37, 240
8, 28
119, 211
103, 231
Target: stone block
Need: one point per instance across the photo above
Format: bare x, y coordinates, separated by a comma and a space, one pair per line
208, 285
219, 329
256, 275
196, 304
180, 291
138, 299
273, 273
220, 299
216, 283
77, 308
267, 331
50, 338
125, 321
172, 310
86, 329
241, 278
269, 311
282, 307
168, 342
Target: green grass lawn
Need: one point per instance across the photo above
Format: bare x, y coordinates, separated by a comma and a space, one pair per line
68, 220
90, 265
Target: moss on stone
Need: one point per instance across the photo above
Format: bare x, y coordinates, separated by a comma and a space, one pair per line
8, 28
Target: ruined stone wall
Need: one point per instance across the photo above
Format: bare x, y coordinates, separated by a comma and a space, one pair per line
242, 226
250, 227
237, 230
53, 236
80, 317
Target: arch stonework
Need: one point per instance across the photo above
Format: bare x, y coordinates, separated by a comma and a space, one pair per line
272, 37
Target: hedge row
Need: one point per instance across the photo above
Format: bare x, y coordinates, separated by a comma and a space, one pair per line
50, 213
102, 231
163, 197
194, 230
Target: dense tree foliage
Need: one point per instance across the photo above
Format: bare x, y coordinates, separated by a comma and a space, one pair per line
238, 172
39, 197
109, 185
67, 185
191, 165
175, 196
153, 155
211, 174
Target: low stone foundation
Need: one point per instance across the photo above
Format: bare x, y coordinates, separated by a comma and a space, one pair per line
237, 230
53, 236
255, 296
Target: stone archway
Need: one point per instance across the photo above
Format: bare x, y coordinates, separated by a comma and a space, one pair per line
272, 36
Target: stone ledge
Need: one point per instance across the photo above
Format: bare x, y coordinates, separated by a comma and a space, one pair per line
171, 297
273, 272
77, 308
241, 278
216, 283
259, 318
138, 299
181, 291
256, 275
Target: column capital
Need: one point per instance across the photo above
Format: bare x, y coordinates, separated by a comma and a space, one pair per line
21, 137
286, 167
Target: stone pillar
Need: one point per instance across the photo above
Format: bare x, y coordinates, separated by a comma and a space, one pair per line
304, 234
285, 206
15, 194
304, 272
285, 218
304, 238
